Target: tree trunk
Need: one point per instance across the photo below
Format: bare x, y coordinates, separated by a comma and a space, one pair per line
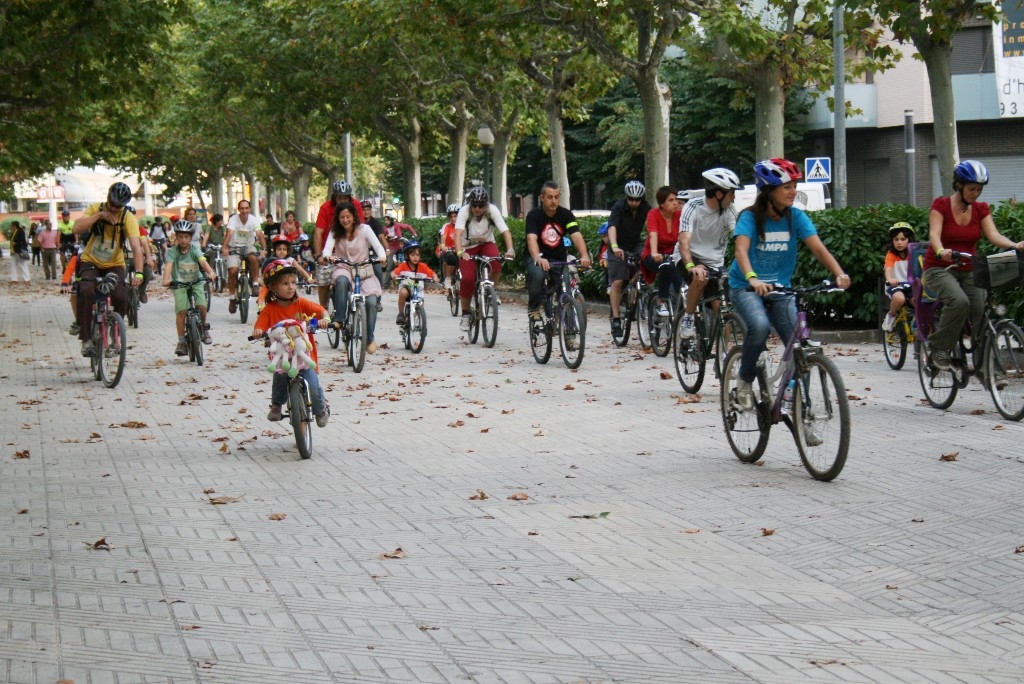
499, 171
769, 114
458, 139
556, 136
938, 62
216, 191
657, 102
301, 176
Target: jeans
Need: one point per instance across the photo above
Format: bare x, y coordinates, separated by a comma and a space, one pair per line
279, 390
761, 314
536, 280
960, 298
342, 285
669, 277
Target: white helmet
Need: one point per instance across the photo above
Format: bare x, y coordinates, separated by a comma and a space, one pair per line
635, 189
453, 209
721, 179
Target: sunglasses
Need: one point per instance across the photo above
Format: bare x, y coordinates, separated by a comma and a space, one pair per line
478, 205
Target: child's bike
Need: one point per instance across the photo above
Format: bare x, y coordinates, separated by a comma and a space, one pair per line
805, 391
902, 335
193, 319
414, 329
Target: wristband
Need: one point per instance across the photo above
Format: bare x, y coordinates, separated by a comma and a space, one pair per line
750, 275
690, 265
615, 245
458, 253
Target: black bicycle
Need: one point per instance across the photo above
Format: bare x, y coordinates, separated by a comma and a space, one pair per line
194, 330
629, 305
561, 315
716, 330
133, 301
483, 306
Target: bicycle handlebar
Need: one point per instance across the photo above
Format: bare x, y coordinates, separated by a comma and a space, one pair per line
824, 287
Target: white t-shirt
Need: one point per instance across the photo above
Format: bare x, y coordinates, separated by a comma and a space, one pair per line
709, 230
479, 232
243, 234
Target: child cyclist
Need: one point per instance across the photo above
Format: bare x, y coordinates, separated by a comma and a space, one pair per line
412, 264
896, 264
283, 303
281, 248
184, 261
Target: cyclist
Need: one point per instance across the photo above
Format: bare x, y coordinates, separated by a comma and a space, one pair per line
378, 229
353, 241
108, 225
184, 261
67, 237
69, 285
474, 236
765, 246
957, 222
158, 236
446, 246
341, 193
602, 260
214, 234
197, 236
547, 226
896, 268
705, 226
149, 259
281, 250
393, 232
243, 231
625, 235
412, 265
662, 235
291, 228
284, 303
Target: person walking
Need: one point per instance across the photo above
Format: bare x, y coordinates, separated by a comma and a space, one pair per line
33, 236
49, 242
19, 254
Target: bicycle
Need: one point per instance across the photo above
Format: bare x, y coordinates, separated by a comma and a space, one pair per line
452, 290
716, 331
414, 329
660, 326
353, 330
219, 267
902, 335
133, 301
194, 328
300, 403
161, 255
243, 287
999, 346
108, 333
483, 306
629, 309
805, 391
561, 315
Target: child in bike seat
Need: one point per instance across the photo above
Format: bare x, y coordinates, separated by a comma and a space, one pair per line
283, 303
897, 289
602, 255
184, 261
412, 264
281, 248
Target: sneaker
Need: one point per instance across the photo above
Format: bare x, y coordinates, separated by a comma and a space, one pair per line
662, 309
464, 324
206, 338
940, 359
321, 420
811, 436
400, 320
888, 322
143, 297
534, 315
87, 348
274, 414
616, 327
181, 349
744, 395
371, 347
688, 330
232, 305
380, 305
74, 329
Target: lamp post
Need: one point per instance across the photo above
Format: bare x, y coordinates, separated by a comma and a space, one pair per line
486, 138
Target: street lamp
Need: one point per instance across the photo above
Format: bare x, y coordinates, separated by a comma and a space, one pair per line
486, 138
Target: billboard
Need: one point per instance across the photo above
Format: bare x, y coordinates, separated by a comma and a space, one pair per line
1008, 44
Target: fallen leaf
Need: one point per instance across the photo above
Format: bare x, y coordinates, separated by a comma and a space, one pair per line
219, 439
568, 388
891, 586
575, 578
999, 427
99, 545
592, 516
485, 430
506, 412
131, 424
22, 511
355, 449
532, 533
917, 520
1019, 549
456, 424
665, 375
978, 412
232, 539
425, 628
767, 531
189, 628
479, 496
397, 553
278, 516
224, 449
209, 490
21, 454
692, 531
518, 496
950, 456
221, 500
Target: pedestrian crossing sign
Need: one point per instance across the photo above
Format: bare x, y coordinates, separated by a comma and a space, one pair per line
818, 169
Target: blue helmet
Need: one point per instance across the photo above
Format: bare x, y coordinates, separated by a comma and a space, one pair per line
603, 230
970, 171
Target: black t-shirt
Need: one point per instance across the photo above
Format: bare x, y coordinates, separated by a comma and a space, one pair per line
629, 227
552, 231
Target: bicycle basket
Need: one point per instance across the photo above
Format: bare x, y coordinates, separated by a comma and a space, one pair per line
1005, 269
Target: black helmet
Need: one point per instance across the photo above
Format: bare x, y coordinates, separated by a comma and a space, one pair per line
478, 196
119, 194
342, 187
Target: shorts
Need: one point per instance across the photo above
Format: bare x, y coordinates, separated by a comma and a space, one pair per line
890, 290
324, 275
181, 298
712, 285
619, 269
234, 259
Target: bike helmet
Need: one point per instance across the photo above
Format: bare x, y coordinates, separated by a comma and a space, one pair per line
721, 179
131, 209
409, 246
303, 238
65, 212
366, 204
453, 209
635, 189
277, 268
901, 226
684, 195
184, 226
971, 171
775, 171
342, 187
478, 196
119, 194
279, 239
603, 230
389, 215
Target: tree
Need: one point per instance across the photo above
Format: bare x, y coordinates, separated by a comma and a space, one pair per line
930, 25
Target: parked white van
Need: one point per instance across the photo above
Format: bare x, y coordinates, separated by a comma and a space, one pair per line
809, 196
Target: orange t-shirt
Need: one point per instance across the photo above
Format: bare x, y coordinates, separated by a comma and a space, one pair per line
301, 309
405, 268
69, 270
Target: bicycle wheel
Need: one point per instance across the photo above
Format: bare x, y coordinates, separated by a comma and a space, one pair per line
747, 431
209, 296
474, 318
417, 329
940, 387
821, 419
661, 328
572, 332
299, 414
244, 292
453, 299
97, 346
578, 296
730, 336
222, 276
688, 354
357, 339
195, 334
1005, 370
540, 340
894, 344
114, 351
133, 306
333, 333
489, 320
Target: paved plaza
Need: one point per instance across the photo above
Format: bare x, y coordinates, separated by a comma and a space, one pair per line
472, 516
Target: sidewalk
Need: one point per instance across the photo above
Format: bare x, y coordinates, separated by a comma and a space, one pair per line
901, 570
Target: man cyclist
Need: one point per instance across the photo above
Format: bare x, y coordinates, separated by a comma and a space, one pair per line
243, 231
341, 192
625, 236
158, 236
705, 227
67, 237
107, 226
474, 236
547, 226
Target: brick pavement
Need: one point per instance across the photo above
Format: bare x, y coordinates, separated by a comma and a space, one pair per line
901, 570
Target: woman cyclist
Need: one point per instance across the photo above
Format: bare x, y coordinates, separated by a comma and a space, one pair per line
956, 223
766, 242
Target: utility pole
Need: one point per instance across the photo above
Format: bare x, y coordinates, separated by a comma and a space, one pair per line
839, 108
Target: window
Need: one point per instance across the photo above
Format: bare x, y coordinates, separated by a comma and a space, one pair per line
972, 51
